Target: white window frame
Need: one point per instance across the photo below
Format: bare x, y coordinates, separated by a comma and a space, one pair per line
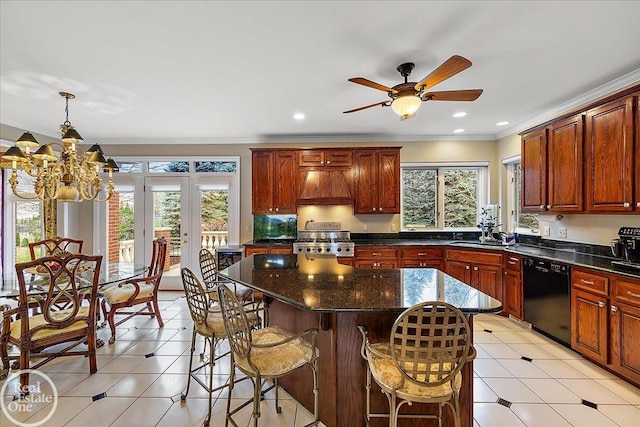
482, 197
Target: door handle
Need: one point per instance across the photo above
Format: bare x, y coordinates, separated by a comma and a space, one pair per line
601, 304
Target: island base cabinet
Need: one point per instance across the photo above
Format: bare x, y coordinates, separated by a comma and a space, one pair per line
589, 326
342, 370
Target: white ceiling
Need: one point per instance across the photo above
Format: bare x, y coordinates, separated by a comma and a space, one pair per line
220, 72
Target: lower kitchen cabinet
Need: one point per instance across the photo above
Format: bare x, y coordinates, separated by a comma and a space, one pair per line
625, 327
482, 270
376, 257
589, 326
512, 292
421, 257
346, 260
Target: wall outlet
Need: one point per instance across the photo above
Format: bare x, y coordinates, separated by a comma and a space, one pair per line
364, 227
546, 230
562, 232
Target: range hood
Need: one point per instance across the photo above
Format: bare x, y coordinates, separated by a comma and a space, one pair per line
326, 187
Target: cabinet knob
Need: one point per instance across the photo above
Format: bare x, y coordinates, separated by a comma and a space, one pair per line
466, 267
614, 308
638, 204
373, 209
322, 163
270, 209
601, 304
328, 162
626, 204
379, 209
475, 268
541, 206
277, 209
548, 206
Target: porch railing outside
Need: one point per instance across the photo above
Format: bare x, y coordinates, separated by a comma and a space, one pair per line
208, 239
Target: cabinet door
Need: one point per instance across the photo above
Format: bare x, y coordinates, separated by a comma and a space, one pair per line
512, 300
285, 184
389, 182
637, 150
534, 171
345, 260
262, 182
251, 250
609, 170
589, 328
487, 279
283, 251
366, 182
564, 165
338, 158
625, 340
460, 270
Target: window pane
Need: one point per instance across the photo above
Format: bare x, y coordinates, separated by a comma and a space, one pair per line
523, 220
28, 220
214, 218
216, 166
460, 198
419, 197
161, 167
121, 227
130, 167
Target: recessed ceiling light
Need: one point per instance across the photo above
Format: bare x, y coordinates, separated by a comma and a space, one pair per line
458, 131
502, 123
460, 114
298, 116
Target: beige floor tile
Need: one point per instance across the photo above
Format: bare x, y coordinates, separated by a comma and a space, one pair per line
67, 409
623, 389
557, 368
145, 412
532, 351
538, 415
490, 368
501, 351
511, 337
592, 391
583, 416
523, 369
623, 415
95, 384
154, 364
512, 389
167, 385
495, 415
122, 365
550, 390
482, 392
102, 412
132, 385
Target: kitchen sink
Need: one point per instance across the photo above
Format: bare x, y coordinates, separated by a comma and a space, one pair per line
474, 243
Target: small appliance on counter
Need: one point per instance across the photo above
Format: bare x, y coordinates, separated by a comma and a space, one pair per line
324, 238
627, 247
488, 221
228, 255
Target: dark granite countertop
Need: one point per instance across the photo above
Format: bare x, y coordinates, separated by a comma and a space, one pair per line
321, 284
566, 254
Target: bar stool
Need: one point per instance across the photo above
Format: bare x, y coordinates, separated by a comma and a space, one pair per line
421, 362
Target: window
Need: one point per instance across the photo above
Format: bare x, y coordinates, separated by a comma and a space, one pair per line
442, 197
522, 220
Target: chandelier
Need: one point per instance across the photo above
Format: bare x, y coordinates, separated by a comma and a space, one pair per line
72, 177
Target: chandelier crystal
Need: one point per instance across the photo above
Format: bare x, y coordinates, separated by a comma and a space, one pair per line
72, 177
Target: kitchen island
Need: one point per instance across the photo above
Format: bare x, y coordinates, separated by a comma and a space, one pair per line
302, 292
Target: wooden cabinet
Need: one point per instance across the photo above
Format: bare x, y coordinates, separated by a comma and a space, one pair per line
637, 148
625, 324
325, 158
421, 257
274, 181
565, 165
534, 171
512, 292
552, 167
346, 260
589, 326
610, 152
267, 249
482, 270
377, 175
376, 257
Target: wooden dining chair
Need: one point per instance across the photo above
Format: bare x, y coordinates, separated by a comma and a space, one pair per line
122, 298
422, 362
55, 247
74, 278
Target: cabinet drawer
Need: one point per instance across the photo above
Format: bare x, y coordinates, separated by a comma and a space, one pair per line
421, 252
474, 257
626, 291
590, 282
513, 263
375, 252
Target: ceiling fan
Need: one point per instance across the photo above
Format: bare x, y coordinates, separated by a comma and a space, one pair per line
406, 97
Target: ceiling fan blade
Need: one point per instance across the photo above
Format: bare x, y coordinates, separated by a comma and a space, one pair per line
387, 103
453, 95
369, 83
449, 68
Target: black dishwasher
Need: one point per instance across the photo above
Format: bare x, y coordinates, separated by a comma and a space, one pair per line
547, 298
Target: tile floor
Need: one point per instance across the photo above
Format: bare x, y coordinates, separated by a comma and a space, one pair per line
521, 379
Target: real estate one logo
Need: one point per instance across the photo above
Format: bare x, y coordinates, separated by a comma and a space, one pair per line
40, 397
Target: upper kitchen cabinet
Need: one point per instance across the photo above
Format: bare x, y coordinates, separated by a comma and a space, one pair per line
534, 171
325, 158
377, 175
637, 166
565, 165
610, 152
326, 177
274, 181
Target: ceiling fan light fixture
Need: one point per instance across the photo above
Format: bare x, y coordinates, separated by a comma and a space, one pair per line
404, 106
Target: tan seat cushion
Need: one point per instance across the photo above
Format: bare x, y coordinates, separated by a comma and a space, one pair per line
389, 377
279, 359
118, 294
214, 324
38, 320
